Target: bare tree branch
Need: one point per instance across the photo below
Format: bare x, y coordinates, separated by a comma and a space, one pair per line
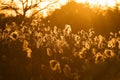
9, 7
43, 8
26, 6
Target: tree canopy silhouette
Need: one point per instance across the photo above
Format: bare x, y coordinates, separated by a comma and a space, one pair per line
80, 16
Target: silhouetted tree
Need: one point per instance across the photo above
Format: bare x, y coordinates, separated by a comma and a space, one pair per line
80, 16
21, 12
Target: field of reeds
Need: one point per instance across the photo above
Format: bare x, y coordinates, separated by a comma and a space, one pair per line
29, 52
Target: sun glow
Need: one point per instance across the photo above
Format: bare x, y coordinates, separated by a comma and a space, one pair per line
99, 4
102, 4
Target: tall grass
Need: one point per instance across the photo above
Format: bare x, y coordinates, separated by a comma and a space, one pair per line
61, 51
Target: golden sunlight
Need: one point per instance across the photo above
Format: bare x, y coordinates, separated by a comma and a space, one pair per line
100, 4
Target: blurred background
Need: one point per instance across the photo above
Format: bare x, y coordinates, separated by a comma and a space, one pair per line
59, 39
